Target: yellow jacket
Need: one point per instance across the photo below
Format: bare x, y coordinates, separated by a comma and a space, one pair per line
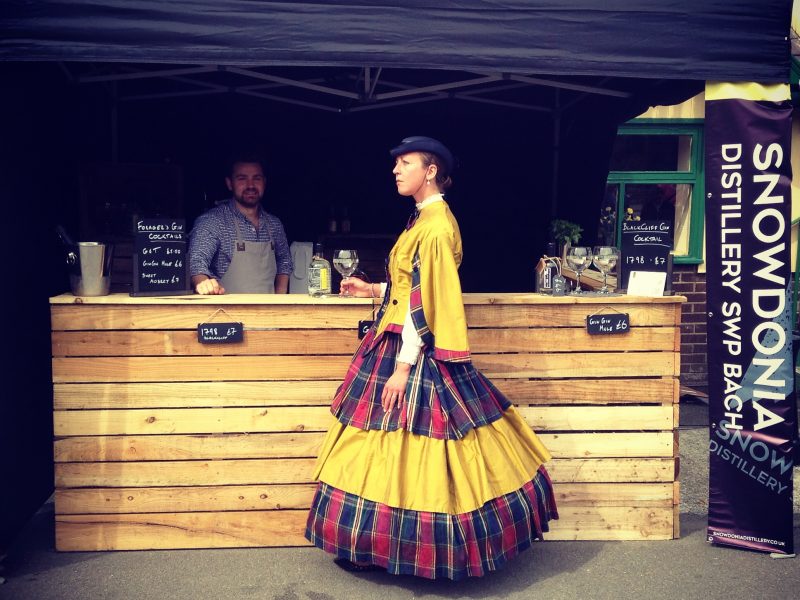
423, 269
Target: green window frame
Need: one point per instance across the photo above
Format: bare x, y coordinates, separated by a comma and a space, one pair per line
694, 176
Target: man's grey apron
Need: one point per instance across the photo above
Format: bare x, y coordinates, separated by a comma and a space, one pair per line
253, 267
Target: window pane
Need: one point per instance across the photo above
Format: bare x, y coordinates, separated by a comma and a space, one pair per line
662, 202
607, 226
652, 153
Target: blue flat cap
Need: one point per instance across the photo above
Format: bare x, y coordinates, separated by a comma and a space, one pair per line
420, 143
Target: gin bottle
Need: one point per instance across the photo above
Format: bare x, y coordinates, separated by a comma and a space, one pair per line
319, 274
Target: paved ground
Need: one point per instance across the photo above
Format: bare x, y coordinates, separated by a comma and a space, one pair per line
686, 568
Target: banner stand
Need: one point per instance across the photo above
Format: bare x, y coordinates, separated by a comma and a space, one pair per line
752, 402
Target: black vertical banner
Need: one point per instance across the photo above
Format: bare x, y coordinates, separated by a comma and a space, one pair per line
752, 405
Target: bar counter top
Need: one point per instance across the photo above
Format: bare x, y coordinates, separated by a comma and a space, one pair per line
303, 299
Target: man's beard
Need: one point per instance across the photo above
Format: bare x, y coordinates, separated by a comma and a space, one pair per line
249, 201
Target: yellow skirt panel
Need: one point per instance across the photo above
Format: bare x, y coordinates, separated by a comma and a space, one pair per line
411, 471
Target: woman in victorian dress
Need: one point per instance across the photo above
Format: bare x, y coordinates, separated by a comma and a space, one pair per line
428, 470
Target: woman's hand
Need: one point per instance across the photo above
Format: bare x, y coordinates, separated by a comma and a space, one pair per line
354, 286
394, 392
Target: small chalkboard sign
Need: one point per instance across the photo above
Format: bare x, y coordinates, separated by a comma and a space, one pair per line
559, 285
160, 263
645, 247
220, 333
608, 324
363, 328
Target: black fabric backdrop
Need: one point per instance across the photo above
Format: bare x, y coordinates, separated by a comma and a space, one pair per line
743, 40
661, 51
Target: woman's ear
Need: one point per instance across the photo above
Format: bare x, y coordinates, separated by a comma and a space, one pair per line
432, 171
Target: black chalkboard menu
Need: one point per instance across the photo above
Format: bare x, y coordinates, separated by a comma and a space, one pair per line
645, 247
160, 264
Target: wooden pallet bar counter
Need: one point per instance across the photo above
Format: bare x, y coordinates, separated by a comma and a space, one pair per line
164, 442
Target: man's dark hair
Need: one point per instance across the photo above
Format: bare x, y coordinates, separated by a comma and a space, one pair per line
245, 156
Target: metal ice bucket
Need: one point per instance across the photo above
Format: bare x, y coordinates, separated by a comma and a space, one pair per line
90, 272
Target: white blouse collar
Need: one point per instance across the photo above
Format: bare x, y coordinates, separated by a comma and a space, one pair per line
430, 200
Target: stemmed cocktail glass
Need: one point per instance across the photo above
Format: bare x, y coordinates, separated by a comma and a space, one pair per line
579, 257
346, 262
605, 259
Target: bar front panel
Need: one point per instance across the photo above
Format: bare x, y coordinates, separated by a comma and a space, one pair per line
164, 442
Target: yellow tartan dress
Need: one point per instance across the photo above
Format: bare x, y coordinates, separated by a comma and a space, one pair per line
452, 483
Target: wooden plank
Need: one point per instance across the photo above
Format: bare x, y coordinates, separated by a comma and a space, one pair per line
610, 445
614, 494
599, 418
91, 316
612, 523
574, 315
588, 391
197, 368
159, 421
239, 529
184, 343
612, 470
569, 339
676, 522
582, 364
259, 368
67, 396
281, 497
184, 499
191, 420
344, 341
153, 316
185, 473
181, 530
299, 470
185, 395
188, 447
306, 445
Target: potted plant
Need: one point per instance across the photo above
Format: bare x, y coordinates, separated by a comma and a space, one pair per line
565, 233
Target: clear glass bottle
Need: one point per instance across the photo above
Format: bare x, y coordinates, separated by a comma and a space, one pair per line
319, 274
547, 271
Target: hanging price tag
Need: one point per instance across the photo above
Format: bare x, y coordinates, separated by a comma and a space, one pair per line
220, 333
608, 324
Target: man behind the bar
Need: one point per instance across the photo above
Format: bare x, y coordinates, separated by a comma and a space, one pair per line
237, 247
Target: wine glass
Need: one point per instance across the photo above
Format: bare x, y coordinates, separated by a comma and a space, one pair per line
346, 262
579, 257
605, 259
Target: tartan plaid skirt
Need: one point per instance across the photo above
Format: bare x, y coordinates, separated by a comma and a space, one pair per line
431, 545
444, 400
